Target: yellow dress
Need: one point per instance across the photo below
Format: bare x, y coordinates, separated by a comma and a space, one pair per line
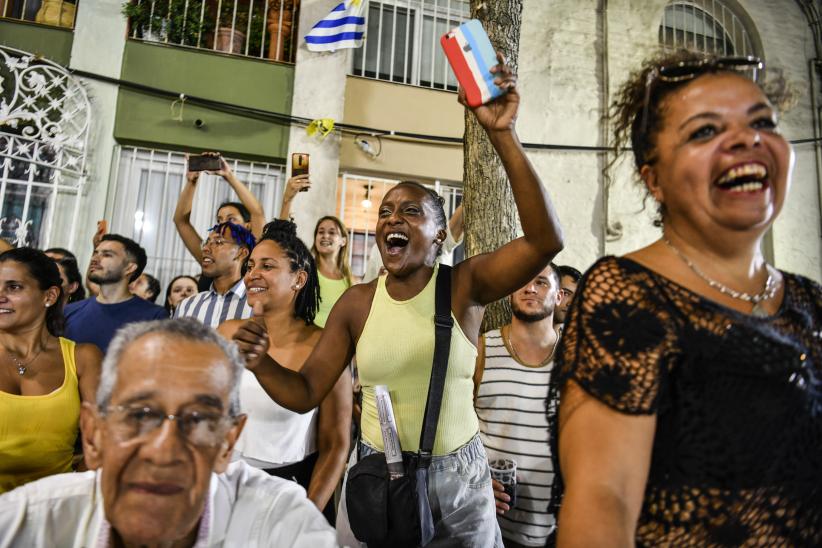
37, 433
330, 292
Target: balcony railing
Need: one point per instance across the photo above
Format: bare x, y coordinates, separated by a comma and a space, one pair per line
58, 13
402, 41
265, 29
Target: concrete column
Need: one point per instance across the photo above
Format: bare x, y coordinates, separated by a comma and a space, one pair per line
319, 92
99, 41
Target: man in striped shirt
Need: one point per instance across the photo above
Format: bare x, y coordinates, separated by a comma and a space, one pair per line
513, 370
225, 253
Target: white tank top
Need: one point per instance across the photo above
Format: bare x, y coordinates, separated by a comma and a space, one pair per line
273, 436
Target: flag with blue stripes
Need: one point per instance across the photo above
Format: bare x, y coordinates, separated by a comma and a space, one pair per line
344, 27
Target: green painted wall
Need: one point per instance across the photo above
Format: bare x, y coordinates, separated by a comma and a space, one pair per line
53, 43
146, 119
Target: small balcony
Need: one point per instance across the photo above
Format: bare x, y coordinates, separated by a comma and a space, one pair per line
262, 29
55, 13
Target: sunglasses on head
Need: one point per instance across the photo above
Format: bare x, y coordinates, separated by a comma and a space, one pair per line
688, 70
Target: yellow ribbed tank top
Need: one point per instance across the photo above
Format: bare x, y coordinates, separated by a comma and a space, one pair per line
330, 292
37, 433
396, 349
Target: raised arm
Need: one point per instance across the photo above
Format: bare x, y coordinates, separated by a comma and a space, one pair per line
333, 437
494, 275
304, 390
604, 456
248, 199
182, 217
294, 185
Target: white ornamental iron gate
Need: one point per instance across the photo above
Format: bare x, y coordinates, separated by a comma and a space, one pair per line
44, 125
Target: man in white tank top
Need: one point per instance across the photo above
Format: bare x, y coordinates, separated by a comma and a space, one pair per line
513, 370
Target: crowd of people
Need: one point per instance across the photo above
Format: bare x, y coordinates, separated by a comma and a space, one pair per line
671, 396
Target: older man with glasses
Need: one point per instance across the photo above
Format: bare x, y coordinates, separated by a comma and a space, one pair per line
159, 441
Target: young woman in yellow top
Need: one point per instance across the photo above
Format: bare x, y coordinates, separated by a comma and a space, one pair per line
330, 250
43, 377
389, 324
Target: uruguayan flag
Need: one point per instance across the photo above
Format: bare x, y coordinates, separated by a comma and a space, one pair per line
342, 28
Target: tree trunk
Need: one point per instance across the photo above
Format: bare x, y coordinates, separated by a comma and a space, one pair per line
490, 213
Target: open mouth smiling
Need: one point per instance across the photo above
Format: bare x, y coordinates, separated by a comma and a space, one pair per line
395, 242
750, 177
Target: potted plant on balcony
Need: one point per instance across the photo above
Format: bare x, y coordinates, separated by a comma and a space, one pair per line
175, 21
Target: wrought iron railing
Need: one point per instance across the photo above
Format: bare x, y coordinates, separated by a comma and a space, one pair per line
265, 29
58, 13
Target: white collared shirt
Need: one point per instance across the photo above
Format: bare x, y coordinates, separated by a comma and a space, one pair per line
245, 507
212, 309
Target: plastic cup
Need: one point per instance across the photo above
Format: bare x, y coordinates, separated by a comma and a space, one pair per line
505, 472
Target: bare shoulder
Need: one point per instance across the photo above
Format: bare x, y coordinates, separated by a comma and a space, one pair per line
358, 296
351, 310
87, 358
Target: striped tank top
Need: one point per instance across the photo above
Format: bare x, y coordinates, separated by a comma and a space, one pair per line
513, 425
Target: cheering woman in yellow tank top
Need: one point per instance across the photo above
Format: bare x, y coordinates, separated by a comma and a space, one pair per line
43, 377
388, 323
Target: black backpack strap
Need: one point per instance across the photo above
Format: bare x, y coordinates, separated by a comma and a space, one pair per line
442, 346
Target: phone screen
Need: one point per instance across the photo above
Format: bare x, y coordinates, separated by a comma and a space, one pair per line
299, 164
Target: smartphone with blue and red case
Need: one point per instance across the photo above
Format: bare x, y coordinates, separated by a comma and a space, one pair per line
471, 56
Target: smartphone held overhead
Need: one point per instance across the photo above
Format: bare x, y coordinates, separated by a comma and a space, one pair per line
204, 162
471, 56
299, 166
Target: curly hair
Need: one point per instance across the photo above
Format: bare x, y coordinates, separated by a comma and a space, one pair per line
284, 234
628, 108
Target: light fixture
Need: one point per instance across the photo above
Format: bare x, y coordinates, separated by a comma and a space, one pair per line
366, 203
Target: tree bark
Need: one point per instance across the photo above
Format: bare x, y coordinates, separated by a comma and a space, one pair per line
490, 213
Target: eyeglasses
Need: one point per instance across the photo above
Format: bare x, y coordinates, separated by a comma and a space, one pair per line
199, 428
215, 242
688, 70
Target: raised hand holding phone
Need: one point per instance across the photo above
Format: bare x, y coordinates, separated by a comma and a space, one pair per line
501, 113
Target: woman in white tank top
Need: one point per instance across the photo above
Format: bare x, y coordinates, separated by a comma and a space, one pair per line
310, 448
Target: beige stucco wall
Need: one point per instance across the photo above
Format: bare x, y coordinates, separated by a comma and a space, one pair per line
387, 106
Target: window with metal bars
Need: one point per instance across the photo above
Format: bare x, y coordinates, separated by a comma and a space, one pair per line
402, 42
708, 26
148, 186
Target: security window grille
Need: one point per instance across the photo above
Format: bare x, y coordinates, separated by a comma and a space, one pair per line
707, 26
45, 117
402, 42
148, 186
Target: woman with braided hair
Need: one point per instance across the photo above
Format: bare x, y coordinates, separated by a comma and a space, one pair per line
283, 291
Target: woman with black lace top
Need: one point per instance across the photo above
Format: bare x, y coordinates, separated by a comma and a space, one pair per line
690, 371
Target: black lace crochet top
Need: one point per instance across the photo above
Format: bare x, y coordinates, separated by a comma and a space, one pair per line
737, 452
